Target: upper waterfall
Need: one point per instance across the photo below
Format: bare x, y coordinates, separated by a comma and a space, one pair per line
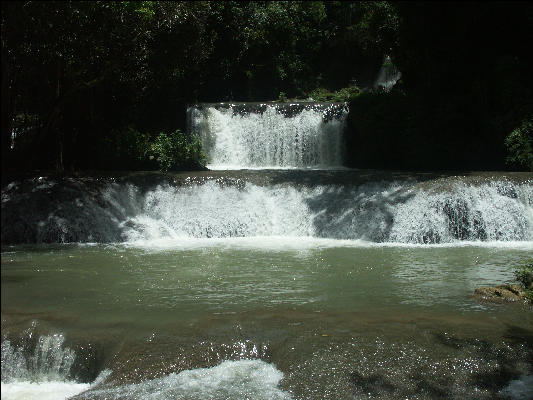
270, 135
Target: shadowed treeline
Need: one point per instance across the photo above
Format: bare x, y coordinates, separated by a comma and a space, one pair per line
105, 85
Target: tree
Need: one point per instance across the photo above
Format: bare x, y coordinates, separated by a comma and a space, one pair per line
82, 81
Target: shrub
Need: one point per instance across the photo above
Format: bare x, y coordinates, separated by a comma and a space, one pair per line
339, 96
124, 148
176, 150
524, 274
519, 145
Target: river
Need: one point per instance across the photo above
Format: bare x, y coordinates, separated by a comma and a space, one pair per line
306, 281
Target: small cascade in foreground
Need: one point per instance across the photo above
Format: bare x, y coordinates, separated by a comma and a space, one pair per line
241, 379
41, 374
50, 361
270, 135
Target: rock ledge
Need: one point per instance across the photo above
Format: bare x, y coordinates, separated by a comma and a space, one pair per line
501, 293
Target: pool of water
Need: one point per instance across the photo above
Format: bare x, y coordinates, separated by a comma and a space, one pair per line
261, 317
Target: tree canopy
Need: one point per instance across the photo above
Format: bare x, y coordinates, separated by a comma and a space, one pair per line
80, 79
101, 84
465, 99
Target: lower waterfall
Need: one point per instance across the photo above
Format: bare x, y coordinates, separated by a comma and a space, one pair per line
445, 210
291, 284
373, 212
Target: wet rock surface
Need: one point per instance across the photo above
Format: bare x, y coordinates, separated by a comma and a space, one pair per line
501, 293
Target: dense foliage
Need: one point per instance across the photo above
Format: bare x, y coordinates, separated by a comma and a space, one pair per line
524, 275
520, 145
105, 84
176, 151
466, 86
93, 84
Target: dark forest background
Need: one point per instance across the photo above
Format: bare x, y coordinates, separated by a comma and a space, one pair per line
105, 85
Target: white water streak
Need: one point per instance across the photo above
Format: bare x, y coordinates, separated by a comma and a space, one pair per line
43, 374
50, 361
238, 380
269, 139
378, 212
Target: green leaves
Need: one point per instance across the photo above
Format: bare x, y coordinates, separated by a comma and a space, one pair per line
96, 74
341, 95
175, 150
524, 275
519, 145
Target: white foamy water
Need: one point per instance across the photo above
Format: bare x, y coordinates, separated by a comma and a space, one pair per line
54, 390
41, 375
285, 243
451, 210
496, 212
212, 211
388, 75
519, 389
268, 138
49, 361
236, 380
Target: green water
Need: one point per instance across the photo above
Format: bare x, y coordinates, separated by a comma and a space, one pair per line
339, 322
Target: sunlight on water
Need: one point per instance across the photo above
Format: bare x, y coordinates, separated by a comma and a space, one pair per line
41, 374
238, 380
377, 212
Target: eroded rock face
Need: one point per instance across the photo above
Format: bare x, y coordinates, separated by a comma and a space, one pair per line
501, 293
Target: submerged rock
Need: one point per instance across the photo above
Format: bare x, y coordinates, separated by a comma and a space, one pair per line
501, 293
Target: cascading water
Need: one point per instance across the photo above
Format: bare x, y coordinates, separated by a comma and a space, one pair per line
42, 374
445, 210
327, 204
270, 135
390, 212
49, 361
388, 75
293, 283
